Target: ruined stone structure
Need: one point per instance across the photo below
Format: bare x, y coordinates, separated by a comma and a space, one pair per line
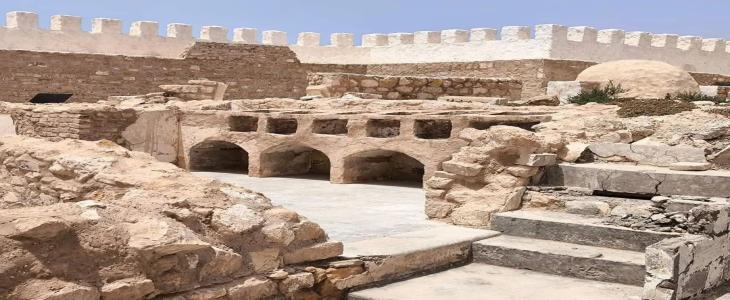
97, 200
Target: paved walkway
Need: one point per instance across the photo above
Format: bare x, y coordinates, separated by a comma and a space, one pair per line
479, 282
347, 212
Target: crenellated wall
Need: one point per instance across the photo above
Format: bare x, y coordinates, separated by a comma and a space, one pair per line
696, 54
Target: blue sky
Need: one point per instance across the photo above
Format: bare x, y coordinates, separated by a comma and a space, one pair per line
707, 18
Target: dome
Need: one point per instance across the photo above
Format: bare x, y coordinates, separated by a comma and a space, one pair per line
642, 78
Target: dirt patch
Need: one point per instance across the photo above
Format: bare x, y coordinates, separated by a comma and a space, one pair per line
652, 107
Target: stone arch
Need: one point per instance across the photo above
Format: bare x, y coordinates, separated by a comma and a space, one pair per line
218, 156
382, 166
294, 159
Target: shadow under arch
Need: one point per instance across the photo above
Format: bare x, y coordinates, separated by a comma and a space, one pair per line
292, 159
218, 156
383, 166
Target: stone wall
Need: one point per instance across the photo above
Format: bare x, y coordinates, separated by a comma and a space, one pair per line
250, 71
74, 122
690, 266
402, 87
533, 73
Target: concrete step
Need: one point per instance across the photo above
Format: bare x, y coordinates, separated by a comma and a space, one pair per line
565, 259
639, 179
397, 257
480, 281
576, 229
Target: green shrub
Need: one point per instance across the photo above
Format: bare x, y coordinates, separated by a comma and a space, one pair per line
696, 96
606, 94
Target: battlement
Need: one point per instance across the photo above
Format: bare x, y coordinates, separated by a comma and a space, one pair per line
709, 55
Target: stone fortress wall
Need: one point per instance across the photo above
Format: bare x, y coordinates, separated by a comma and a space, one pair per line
697, 54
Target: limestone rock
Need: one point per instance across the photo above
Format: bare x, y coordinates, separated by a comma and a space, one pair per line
539, 101
253, 288
642, 78
127, 289
313, 253
41, 228
462, 168
722, 158
573, 152
296, 282
690, 166
539, 160
587, 207
438, 209
236, 219
54, 289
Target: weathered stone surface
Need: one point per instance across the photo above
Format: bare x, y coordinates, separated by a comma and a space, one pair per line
296, 282
127, 289
587, 207
690, 166
648, 154
237, 219
42, 228
54, 289
463, 169
539, 160
640, 180
313, 253
253, 288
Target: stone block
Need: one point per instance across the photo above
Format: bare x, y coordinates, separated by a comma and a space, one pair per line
274, 37
462, 168
587, 207
180, 31
216, 34
689, 43
714, 45
638, 39
515, 33
245, 36
582, 34
400, 38
453, 36
722, 158
374, 40
66, 23
309, 39
313, 253
538, 160
21, 20
427, 37
125, 289
611, 36
690, 166
648, 154
342, 39
483, 34
551, 32
664, 40
253, 288
145, 29
106, 26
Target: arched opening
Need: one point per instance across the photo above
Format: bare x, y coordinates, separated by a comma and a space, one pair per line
218, 156
383, 166
289, 160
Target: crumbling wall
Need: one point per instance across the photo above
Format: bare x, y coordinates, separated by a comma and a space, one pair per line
396, 88
84, 123
82, 219
692, 265
488, 175
250, 71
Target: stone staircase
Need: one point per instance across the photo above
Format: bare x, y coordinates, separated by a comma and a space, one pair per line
583, 254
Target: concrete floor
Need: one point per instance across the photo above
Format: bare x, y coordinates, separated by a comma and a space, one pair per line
479, 282
347, 212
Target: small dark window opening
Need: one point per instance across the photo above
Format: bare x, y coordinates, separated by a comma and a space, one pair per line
50, 98
243, 123
433, 129
282, 126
